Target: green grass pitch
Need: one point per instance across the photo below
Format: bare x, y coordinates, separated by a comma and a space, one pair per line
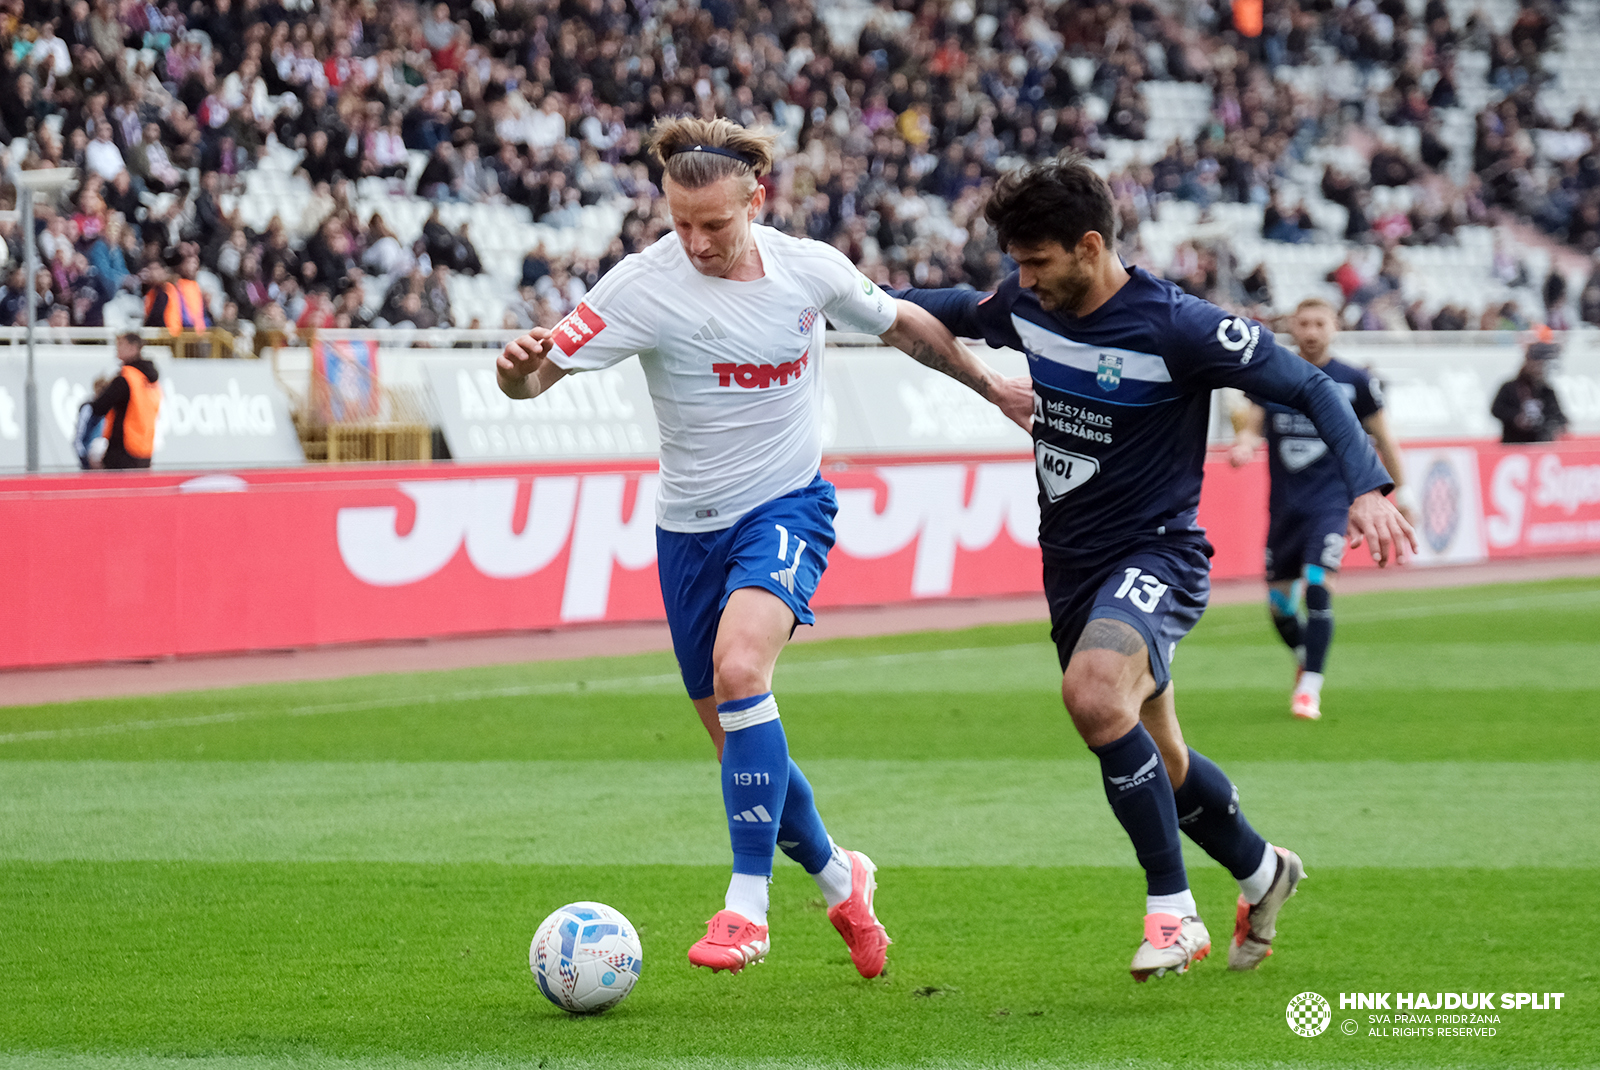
346, 874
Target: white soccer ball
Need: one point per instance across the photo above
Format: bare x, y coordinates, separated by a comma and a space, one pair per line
586, 957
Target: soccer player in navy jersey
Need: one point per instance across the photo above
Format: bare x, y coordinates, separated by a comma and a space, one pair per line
1123, 365
1309, 503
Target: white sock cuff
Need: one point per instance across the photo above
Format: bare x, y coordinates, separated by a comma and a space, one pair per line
762, 712
1255, 886
1178, 904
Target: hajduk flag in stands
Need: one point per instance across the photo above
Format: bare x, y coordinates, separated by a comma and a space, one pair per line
344, 380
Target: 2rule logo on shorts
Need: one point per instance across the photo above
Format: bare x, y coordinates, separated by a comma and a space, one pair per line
1308, 1014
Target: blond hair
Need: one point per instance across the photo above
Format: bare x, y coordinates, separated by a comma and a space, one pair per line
1317, 302
673, 140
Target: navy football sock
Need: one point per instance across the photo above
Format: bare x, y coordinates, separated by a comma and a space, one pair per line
801, 833
1319, 626
755, 779
1141, 796
1208, 812
1287, 620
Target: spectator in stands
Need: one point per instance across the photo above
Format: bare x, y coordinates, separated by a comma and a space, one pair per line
13, 298
1527, 406
102, 157
1280, 223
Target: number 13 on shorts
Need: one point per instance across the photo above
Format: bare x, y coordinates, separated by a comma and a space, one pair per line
1141, 589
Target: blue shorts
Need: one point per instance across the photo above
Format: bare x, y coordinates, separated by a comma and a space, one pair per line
781, 547
1160, 590
1296, 539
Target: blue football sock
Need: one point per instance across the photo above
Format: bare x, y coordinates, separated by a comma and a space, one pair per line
1141, 796
1208, 812
801, 833
1286, 618
1319, 626
755, 779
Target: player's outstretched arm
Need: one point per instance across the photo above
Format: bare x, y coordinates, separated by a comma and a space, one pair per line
917, 333
1375, 521
524, 368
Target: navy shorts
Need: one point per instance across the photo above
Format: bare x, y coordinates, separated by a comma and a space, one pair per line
1296, 539
1160, 590
781, 547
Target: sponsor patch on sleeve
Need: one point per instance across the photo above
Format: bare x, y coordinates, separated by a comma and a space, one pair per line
581, 324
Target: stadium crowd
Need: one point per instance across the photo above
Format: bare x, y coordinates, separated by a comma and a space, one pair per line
896, 134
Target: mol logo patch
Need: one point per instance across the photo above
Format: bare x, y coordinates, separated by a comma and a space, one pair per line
581, 324
1301, 453
1109, 376
1062, 472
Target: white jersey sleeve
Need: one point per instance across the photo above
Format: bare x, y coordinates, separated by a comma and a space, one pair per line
613, 322
850, 300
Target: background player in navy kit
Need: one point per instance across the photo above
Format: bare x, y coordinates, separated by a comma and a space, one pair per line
1310, 503
1123, 364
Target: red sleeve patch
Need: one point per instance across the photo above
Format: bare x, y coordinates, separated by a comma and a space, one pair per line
582, 324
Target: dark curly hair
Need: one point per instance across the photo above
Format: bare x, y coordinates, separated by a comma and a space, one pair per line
1060, 200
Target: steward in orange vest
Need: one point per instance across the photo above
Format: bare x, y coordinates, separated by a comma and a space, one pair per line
178, 305
130, 404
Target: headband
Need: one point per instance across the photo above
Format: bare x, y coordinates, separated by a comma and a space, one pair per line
729, 153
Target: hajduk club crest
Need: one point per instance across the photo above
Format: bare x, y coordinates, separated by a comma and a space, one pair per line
1110, 374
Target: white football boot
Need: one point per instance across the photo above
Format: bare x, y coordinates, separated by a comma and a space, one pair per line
1255, 926
1170, 943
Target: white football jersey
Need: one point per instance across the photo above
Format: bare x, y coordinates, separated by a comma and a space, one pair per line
735, 368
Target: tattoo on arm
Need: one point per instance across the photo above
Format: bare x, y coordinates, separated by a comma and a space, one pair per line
1103, 634
926, 354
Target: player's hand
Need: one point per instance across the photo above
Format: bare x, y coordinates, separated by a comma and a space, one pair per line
521, 358
1388, 534
1241, 453
1015, 398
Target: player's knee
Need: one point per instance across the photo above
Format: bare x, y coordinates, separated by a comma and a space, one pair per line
739, 673
1281, 603
1319, 599
1094, 698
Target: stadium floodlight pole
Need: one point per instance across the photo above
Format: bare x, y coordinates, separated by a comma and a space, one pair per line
29, 184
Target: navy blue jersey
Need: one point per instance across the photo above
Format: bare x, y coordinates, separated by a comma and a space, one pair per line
1305, 476
1122, 400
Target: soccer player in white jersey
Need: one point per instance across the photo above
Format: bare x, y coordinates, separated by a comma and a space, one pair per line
727, 318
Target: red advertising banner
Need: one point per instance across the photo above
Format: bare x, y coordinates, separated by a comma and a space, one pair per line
140, 565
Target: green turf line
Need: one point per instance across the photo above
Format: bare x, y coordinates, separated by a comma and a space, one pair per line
1494, 1058
932, 813
1007, 967
1026, 668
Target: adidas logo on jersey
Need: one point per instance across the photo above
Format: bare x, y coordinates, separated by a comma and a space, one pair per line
710, 331
757, 815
